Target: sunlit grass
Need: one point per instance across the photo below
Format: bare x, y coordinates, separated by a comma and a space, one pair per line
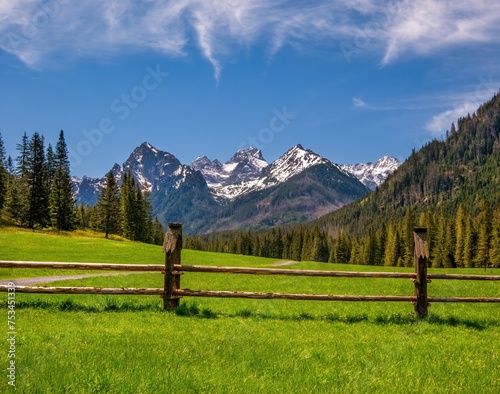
128, 344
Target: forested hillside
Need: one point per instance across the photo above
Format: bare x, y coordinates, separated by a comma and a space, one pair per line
450, 186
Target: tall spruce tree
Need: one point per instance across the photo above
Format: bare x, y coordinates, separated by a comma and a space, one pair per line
51, 166
108, 207
127, 206
408, 226
18, 191
495, 239
38, 198
483, 234
460, 236
391, 254
61, 196
469, 244
158, 233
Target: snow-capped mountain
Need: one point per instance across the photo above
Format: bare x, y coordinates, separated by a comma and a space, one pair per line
245, 191
159, 172
372, 175
245, 165
247, 170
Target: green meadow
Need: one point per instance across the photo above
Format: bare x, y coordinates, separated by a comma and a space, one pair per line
128, 344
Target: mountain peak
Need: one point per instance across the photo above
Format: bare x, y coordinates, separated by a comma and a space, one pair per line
248, 153
371, 174
147, 146
245, 165
293, 162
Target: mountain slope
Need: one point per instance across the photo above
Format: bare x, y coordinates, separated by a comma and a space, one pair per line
463, 169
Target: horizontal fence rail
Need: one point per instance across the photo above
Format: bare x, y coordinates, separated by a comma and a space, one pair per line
84, 290
279, 271
282, 296
83, 266
173, 269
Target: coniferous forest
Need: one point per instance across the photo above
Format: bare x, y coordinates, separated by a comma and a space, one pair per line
36, 192
450, 186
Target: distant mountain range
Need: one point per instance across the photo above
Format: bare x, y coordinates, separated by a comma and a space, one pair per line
244, 192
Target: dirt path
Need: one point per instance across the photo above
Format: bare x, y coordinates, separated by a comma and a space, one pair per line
282, 263
48, 279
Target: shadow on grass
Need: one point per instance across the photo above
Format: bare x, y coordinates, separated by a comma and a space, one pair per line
393, 319
189, 309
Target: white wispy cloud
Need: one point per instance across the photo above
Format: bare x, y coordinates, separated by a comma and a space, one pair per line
34, 30
460, 104
358, 103
426, 26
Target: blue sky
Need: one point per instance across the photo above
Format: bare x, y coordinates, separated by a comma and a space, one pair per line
352, 81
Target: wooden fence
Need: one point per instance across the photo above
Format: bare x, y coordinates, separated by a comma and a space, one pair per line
173, 269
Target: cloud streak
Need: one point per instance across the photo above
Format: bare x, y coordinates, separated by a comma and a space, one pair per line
462, 104
34, 31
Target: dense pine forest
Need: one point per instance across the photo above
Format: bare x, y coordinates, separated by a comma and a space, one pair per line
450, 186
36, 192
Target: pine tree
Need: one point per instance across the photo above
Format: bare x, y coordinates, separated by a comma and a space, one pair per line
392, 246
320, 246
343, 253
158, 233
483, 234
460, 236
381, 238
127, 206
51, 166
369, 247
38, 198
495, 239
108, 207
142, 227
439, 252
408, 226
470, 243
296, 245
61, 196
276, 246
17, 202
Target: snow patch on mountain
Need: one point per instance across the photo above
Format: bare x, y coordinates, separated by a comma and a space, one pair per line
235, 177
372, 175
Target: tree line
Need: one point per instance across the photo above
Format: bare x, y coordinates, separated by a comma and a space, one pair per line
463, 241
36, 191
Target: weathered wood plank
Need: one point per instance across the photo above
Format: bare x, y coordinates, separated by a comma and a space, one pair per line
84, 290
463, 299
83, 266
463, 277
315, 297
276, 271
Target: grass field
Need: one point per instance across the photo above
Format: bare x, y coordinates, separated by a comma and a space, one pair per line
127, 344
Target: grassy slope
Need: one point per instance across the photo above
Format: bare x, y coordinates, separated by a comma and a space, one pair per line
126, 344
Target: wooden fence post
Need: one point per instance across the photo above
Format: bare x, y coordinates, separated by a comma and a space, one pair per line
421, 259
172, 246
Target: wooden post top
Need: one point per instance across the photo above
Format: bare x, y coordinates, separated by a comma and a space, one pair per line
421, 244
173, 238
